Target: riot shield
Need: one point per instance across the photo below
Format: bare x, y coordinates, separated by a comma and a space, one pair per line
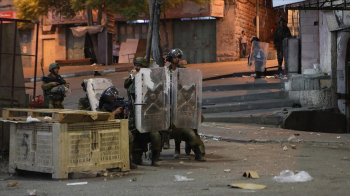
94, 89
186, 98
152, 88
257, 56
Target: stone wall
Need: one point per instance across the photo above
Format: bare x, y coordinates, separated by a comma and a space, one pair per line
241, 16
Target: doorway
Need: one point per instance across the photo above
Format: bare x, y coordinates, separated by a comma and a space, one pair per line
48, 52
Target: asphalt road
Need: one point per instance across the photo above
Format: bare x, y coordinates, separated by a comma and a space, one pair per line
328, 164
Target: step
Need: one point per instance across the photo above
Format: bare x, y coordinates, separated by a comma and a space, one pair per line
249, 105
246, 86
242, 95
272, 116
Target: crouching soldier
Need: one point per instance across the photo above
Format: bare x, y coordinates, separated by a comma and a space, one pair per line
111, 102
84, 103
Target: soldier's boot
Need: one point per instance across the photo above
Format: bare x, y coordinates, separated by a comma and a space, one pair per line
166, 145
137, 157
155, 158
188, 148
279, 66
257, 74
198, 154
177, 150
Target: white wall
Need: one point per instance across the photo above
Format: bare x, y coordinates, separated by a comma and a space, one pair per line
309, 33
325, 45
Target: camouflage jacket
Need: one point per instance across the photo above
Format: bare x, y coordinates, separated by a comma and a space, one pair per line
84, 103
55, 106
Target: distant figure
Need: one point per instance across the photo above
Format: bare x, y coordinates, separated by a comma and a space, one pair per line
116, 49
244, 44
258, 56
281, 33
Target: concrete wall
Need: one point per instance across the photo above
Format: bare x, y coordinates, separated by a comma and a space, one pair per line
309, 33
325, 45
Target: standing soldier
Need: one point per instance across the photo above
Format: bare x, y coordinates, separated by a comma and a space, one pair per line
50, 81
188, 135
84, 103
280, 33
141, 139
56, 97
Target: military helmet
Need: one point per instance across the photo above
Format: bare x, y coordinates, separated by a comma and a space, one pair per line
254, 38
53, 66
57, 92
140, 60
174, 53
111, 93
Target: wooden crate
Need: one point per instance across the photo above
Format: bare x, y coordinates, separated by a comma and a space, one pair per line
57, 115
62, 148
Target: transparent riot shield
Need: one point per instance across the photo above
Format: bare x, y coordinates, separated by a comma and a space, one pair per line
94, 89
257, 56
186, 98
152, 99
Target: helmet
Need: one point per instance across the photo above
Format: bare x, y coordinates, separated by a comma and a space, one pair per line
111, 93
84, 86
57, 92
53, 66
140, 60
282, 20
174, 53
254, 38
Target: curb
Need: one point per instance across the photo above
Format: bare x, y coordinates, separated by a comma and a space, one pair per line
227, 139
85, 73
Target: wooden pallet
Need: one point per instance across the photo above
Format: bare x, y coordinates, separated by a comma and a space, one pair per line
57, 115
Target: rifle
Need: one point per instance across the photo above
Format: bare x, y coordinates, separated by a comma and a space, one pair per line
57, 79
42, 67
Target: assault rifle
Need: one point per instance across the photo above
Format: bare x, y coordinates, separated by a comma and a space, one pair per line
57, 79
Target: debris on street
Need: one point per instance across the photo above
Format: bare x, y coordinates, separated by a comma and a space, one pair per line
247, 186
31, 192
285, 148
251, 174
77, 183
13, 184
179, 178
338, 137
294, 147
289, 176
227, 170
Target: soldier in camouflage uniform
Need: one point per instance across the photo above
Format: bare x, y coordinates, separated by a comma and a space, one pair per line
84, 103
190, 136
50, 81
141, 139
56, 97
281, 33
108, 104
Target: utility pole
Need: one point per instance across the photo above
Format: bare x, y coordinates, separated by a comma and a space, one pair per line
257, 18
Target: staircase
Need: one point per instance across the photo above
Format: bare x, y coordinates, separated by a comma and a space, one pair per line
246, 100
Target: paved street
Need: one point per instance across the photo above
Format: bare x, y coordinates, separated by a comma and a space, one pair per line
232, 147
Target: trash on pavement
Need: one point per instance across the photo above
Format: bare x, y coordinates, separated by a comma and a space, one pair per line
338, 137
179, 178
247, 186
227, 170
30, 119
296, 134
294, 147
216, 139
251, 174
31, 192
13, 184
289, 176
181, 162
189, 173
285, 148
76, 183
291, 138
134, 179
262, 128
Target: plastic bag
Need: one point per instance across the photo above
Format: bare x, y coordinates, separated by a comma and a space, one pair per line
179, 178
289, 176
30, 119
